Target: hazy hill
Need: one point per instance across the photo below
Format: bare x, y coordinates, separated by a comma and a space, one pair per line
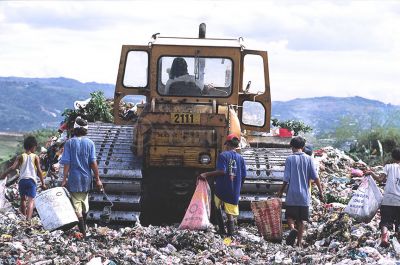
325, 113
32, 103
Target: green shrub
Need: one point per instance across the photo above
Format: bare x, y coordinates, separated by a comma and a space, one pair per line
96, 110
292, 125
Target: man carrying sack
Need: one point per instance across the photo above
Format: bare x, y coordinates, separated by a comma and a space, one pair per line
230, 174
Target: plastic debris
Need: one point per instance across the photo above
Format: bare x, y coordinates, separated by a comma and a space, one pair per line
332, 236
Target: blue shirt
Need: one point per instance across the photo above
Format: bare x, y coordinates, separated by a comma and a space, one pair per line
79, 154
299, 169
233, 165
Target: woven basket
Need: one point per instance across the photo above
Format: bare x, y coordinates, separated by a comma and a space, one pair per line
268, 218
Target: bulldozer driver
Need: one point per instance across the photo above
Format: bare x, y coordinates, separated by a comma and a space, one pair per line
180, 82
230, 174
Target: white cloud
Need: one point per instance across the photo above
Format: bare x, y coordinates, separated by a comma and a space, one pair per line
315, 48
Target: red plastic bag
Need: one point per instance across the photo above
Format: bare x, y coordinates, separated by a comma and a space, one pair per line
268, 218
197, 216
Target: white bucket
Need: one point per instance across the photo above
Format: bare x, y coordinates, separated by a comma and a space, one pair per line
55, 209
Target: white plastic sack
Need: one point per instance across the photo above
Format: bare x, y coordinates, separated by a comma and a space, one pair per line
4, 204
197, 216
365, 201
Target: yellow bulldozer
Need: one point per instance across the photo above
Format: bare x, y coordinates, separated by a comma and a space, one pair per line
193, 92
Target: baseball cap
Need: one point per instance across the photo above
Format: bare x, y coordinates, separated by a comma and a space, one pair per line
308, 150
231, 137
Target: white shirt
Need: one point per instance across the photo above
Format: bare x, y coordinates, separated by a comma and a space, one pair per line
391, 195
27, 169
184, 78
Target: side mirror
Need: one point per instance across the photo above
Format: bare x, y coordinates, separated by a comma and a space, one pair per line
253, 113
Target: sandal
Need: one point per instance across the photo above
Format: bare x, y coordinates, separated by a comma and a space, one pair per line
291, 238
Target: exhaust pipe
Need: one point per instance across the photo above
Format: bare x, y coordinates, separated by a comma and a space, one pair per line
202, 31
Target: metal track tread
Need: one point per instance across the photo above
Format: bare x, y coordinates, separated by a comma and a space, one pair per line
265, 168
116, 216
119, 170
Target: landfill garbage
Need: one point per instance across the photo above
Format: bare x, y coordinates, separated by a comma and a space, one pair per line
4, 204
331, 237
396, 246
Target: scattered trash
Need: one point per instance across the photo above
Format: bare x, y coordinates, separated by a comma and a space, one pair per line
332, 236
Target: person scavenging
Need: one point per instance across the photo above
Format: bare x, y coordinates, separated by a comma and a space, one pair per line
230, 174
390, 207
299, 170
29, 170
79, 159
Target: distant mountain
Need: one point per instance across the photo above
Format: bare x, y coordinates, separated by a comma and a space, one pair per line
324, 114
31, 103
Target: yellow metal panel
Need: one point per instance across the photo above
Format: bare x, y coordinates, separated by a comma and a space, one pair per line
188, 136
161, 156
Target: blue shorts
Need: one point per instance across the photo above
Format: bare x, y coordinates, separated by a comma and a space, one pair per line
27, 187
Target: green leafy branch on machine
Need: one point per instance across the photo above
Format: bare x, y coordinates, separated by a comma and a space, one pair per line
292, 125
96, 108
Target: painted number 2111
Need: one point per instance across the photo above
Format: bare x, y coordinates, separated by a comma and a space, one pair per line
183, 118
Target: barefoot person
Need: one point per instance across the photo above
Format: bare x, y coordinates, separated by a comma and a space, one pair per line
29, 169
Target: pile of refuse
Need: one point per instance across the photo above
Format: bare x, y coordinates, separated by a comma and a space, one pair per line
332, 237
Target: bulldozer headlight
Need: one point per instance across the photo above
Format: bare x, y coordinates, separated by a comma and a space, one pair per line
205, 159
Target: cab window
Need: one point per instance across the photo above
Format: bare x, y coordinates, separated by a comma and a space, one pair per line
135, 74
194, 76
253, 74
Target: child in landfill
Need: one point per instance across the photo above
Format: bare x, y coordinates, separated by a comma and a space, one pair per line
390, 207
28, 164
299, 170
230, 174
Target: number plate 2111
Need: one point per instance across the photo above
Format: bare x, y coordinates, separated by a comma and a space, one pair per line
185, 118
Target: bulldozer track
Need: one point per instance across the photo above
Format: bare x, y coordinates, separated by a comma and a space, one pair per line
265, 168
121, 173
119, 170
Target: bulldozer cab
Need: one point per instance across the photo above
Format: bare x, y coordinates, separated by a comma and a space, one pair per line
197, 71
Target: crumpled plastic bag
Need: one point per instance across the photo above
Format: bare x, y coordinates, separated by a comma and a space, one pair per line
365, 202
197, 216
268, 218
355, 172
4, 204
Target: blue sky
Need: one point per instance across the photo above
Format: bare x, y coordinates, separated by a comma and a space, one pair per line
316, 48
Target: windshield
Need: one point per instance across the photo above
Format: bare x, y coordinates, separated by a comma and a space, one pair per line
194, 76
